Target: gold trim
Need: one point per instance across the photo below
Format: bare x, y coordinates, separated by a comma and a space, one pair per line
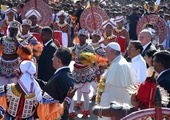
18, 94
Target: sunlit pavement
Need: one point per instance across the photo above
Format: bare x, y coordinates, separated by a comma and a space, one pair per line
78, 112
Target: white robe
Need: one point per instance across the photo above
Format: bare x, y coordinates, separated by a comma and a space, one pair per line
118, 77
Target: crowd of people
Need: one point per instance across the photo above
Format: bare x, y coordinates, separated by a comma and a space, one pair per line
36, 49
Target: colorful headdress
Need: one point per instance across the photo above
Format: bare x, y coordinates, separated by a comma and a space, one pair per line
108, 22
10, 10
26, 22
60, 13
97, 32
83, 32
33, 12
14, 24
119, 19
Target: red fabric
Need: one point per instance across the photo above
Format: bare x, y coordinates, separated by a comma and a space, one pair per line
158, 114
122, 43
58, 36
20, 109
146, 93
37, 36
5, 30
79, 66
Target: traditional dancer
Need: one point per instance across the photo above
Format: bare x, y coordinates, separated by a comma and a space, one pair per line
100, 60
121, 32
22, 99
35, 17
9, 57
10, 17
25, 36
83, 73
63, 27
108, 35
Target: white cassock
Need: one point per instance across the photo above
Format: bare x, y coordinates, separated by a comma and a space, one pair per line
118, 77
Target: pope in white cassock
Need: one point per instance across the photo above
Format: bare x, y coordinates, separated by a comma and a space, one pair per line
116, 79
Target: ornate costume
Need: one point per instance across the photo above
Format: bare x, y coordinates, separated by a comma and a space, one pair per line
60, 34
110, 38
40, 6
121, 33
8, 66
62, 28
82, 73
23, 107
28, 38
6, 21
120, 37
21, 100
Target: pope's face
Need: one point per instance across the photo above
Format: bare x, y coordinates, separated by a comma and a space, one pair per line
109, 55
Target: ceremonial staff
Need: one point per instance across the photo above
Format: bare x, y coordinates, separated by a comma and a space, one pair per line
93, 16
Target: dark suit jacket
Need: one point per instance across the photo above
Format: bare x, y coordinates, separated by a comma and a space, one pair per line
164, 81
133, 18
18, 17
147, 48
58, 86
45, 64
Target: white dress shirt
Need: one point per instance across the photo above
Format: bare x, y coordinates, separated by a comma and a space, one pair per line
139, 69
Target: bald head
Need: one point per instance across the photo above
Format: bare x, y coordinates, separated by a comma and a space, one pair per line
145, 36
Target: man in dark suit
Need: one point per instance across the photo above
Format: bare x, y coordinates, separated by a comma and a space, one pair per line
45, 64
62, 80
145, 37
161, 63
133, 18
18, 13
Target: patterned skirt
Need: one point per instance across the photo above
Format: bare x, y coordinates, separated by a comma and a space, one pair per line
83, 74
7, 67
